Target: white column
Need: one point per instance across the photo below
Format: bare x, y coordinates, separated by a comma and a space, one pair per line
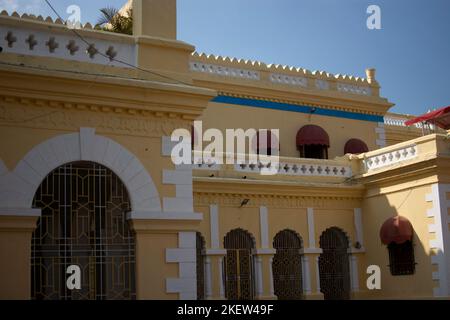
354, 272
272, 290
221, 288
311, 231
259, 276
208, 278
317, 274
214, 218
263, 219
357, 215
306, 275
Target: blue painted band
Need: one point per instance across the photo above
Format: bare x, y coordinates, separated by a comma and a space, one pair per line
297, 108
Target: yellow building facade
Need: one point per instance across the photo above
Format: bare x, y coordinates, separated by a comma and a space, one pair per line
87, 179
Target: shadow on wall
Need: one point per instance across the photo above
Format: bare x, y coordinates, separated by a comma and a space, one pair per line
396, 232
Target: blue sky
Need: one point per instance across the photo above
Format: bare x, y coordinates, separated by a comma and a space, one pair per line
411, 52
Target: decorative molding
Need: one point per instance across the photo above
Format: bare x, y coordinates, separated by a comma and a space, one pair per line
349, 88
235, 200
298, 106
389, 158
224, 71
299, 169
289, 80
40, 42
143, 215
439, 230
17, 188
38, 113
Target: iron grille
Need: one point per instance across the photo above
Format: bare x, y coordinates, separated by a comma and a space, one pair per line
239, 266
200, 241
83, 223
287, 266
334, 267
401, 258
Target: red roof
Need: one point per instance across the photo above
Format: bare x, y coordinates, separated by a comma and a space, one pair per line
396, 229
440, 117
312, 134
355, 146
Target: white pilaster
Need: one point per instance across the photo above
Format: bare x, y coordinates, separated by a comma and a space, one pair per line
214, 220
259, 276
221, 288
353, 260
311, 232
263, 219
306, 275
208, 278
357, 217
317, 275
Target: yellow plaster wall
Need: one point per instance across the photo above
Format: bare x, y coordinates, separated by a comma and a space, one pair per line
223, 116
410, 203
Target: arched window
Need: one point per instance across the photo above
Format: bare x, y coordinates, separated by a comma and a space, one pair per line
83, 223
397, 233
355, 146
334, 269
313, 142
200, 245
401, 258
287, 266
238, 265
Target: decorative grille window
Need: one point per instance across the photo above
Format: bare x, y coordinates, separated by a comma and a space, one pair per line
334, 267
200, 267
401, 258
287, 266
239, 266
83, 223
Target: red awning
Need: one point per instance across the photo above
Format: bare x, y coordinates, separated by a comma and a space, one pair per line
312, 134
396, 229
355, 146
440, 117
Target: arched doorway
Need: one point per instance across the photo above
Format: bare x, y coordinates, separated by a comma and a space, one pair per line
238, 265
334, 267
287, 266
83, 223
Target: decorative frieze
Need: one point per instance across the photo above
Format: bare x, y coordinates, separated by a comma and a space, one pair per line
299, 169
289, 80
391, 157
224, 71
349, 88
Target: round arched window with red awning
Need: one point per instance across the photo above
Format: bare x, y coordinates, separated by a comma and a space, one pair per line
396, 230
355, 146
313, 142
312, 135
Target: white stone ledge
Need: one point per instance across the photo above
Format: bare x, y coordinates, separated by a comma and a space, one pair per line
180, 255
177, 177
20, 212
178, 285
178, 204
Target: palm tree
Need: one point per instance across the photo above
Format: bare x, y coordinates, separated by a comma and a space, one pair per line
113, 20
